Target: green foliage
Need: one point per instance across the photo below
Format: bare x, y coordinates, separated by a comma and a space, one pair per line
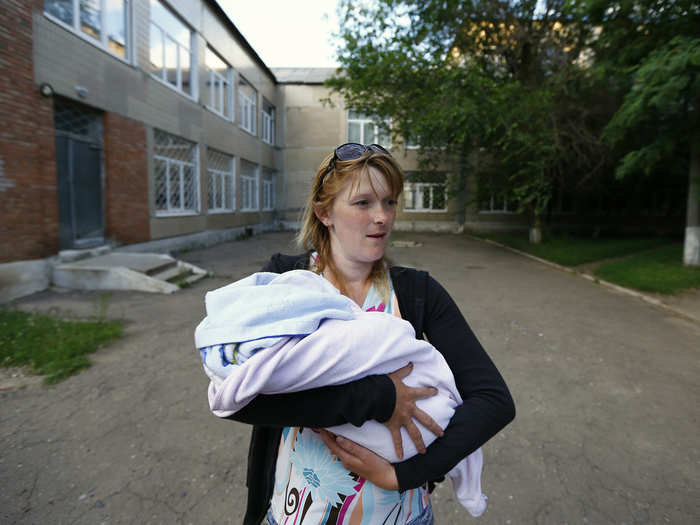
664, 94
51, 346
659, 271
493, 87
572, 251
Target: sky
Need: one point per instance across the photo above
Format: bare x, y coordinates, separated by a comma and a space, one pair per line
287, 33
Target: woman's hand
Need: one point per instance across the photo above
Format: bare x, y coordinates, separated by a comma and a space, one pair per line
362, 461
405, 411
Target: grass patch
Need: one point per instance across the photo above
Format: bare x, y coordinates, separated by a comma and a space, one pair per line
51, 346
572, 251
659, 271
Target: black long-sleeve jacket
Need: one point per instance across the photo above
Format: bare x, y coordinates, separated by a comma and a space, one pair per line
423, 302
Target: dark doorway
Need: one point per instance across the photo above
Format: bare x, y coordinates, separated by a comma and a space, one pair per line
78, 130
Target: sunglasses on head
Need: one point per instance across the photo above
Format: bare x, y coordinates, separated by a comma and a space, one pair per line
351, 151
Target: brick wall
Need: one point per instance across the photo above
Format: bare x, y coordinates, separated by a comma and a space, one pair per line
28, 196
126, 180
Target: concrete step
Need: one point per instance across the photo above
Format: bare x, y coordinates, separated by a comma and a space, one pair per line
148, 272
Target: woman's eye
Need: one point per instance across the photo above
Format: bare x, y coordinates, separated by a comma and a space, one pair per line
391, 202
361, 203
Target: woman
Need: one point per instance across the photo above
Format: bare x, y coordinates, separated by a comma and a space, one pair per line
348, 218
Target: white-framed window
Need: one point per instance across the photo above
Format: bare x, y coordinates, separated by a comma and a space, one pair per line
221, 182
363, 129
247, 106
249, 186
268, 123
219, 84
425, 192
176, 175
410, 143
102, 22
425, 197
171, 49
268, 190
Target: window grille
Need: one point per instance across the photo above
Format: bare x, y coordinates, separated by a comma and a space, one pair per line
104, 22
363, 129
176, 170
77, 119
170, 48
249, 186
221, 189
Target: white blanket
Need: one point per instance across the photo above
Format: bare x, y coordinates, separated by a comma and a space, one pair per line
337, 352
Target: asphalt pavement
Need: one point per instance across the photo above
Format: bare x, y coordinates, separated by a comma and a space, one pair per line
605, 385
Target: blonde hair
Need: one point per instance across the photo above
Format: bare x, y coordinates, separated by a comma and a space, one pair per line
325, 188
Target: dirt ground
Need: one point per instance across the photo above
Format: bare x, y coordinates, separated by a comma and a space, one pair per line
606, 390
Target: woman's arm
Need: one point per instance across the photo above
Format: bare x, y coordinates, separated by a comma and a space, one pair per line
487, 404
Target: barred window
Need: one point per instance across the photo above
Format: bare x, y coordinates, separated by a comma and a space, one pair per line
170, 48
221, 188
219, 85
249, 186
268, 122
176, 170
268, 190
247, 106
494, 196
363, 129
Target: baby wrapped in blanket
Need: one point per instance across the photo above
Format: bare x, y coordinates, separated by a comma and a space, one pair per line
273, 333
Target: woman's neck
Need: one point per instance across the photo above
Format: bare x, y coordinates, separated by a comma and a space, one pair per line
355, 278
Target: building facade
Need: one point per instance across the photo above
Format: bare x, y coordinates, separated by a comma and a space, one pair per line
130, 121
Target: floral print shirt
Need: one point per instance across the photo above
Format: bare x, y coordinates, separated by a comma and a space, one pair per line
313, 487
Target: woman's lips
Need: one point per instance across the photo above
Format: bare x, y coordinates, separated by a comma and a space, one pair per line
377, 235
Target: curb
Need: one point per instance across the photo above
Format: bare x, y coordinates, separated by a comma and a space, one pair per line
647, 299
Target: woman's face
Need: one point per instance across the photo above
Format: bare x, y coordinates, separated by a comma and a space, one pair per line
360, 220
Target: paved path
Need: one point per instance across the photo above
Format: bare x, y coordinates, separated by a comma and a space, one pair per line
606, 389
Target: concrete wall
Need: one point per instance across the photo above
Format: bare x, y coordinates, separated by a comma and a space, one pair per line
126, 88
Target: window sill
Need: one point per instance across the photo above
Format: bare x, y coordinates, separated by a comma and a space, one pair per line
220, 115
173, 88
221, 212
165, 214
497, 212
248, 210
425, 211
248, 131
88, 39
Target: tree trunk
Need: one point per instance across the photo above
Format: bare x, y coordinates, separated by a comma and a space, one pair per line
536, 229
691, 246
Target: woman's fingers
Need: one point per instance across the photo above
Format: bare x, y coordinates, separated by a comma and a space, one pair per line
398, 443
428, 422
402, 372
415, 436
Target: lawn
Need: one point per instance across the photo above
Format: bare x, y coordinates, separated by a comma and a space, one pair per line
49, 345
659, 271
572, 251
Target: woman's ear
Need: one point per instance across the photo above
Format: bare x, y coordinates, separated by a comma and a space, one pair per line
322, 215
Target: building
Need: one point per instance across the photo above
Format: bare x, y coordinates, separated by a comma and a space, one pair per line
131, 122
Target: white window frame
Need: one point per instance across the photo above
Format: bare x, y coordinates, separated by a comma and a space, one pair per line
221, 175
248, 116
101, 44
420, 188
269, 194
362, 122
228, 95
268, 124
170, 211
193, 57
249, 186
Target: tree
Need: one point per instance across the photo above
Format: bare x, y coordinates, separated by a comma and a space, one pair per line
494, 85
651, 51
